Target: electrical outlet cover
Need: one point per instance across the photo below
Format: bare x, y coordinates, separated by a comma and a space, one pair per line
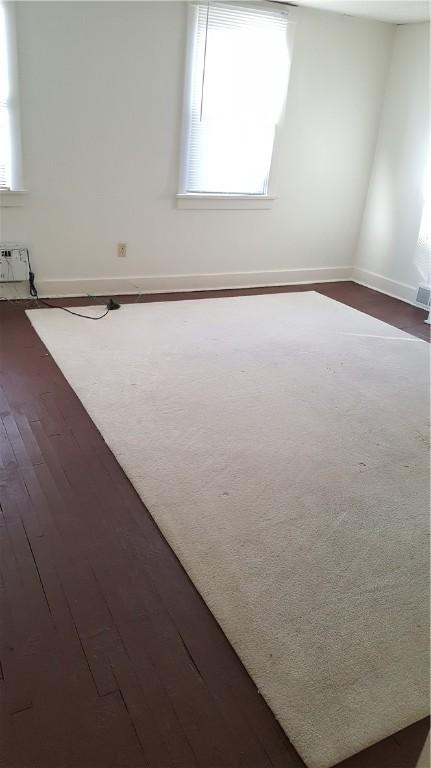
13, 263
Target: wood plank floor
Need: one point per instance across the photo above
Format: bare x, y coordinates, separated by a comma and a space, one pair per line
109, 657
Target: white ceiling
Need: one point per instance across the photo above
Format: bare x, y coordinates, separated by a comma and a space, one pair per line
395, 11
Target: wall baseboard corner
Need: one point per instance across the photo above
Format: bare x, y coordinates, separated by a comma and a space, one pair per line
393, 288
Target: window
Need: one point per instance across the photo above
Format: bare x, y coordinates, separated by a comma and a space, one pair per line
237, 83
10, 148
5, 151
423, 248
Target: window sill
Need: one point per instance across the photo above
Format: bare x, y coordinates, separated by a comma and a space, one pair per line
191, 201
12, 198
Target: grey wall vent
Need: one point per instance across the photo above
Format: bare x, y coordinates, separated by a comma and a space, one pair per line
423, 296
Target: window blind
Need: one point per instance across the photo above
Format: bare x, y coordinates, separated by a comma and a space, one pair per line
4, 107
238, 84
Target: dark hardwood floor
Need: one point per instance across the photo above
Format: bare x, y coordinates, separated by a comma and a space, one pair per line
109, 657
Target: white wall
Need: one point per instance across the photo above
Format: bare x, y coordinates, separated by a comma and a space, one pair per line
387, 257
101, 99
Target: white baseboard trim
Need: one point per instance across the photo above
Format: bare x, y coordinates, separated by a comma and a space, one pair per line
111, 286
385, 285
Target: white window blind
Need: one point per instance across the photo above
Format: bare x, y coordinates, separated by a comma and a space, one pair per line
5, 148
238, 82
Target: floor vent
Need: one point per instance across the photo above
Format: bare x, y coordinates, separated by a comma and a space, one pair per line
423, 296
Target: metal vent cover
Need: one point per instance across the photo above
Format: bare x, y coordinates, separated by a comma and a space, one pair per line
423, 296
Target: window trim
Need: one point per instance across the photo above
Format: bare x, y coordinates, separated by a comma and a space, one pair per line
12, 198
208, 201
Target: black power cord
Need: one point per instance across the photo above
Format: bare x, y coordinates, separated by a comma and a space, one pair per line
111, 305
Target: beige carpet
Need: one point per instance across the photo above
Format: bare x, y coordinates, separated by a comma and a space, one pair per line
280, 444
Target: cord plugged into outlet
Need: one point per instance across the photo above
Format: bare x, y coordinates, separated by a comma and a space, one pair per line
110, 306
